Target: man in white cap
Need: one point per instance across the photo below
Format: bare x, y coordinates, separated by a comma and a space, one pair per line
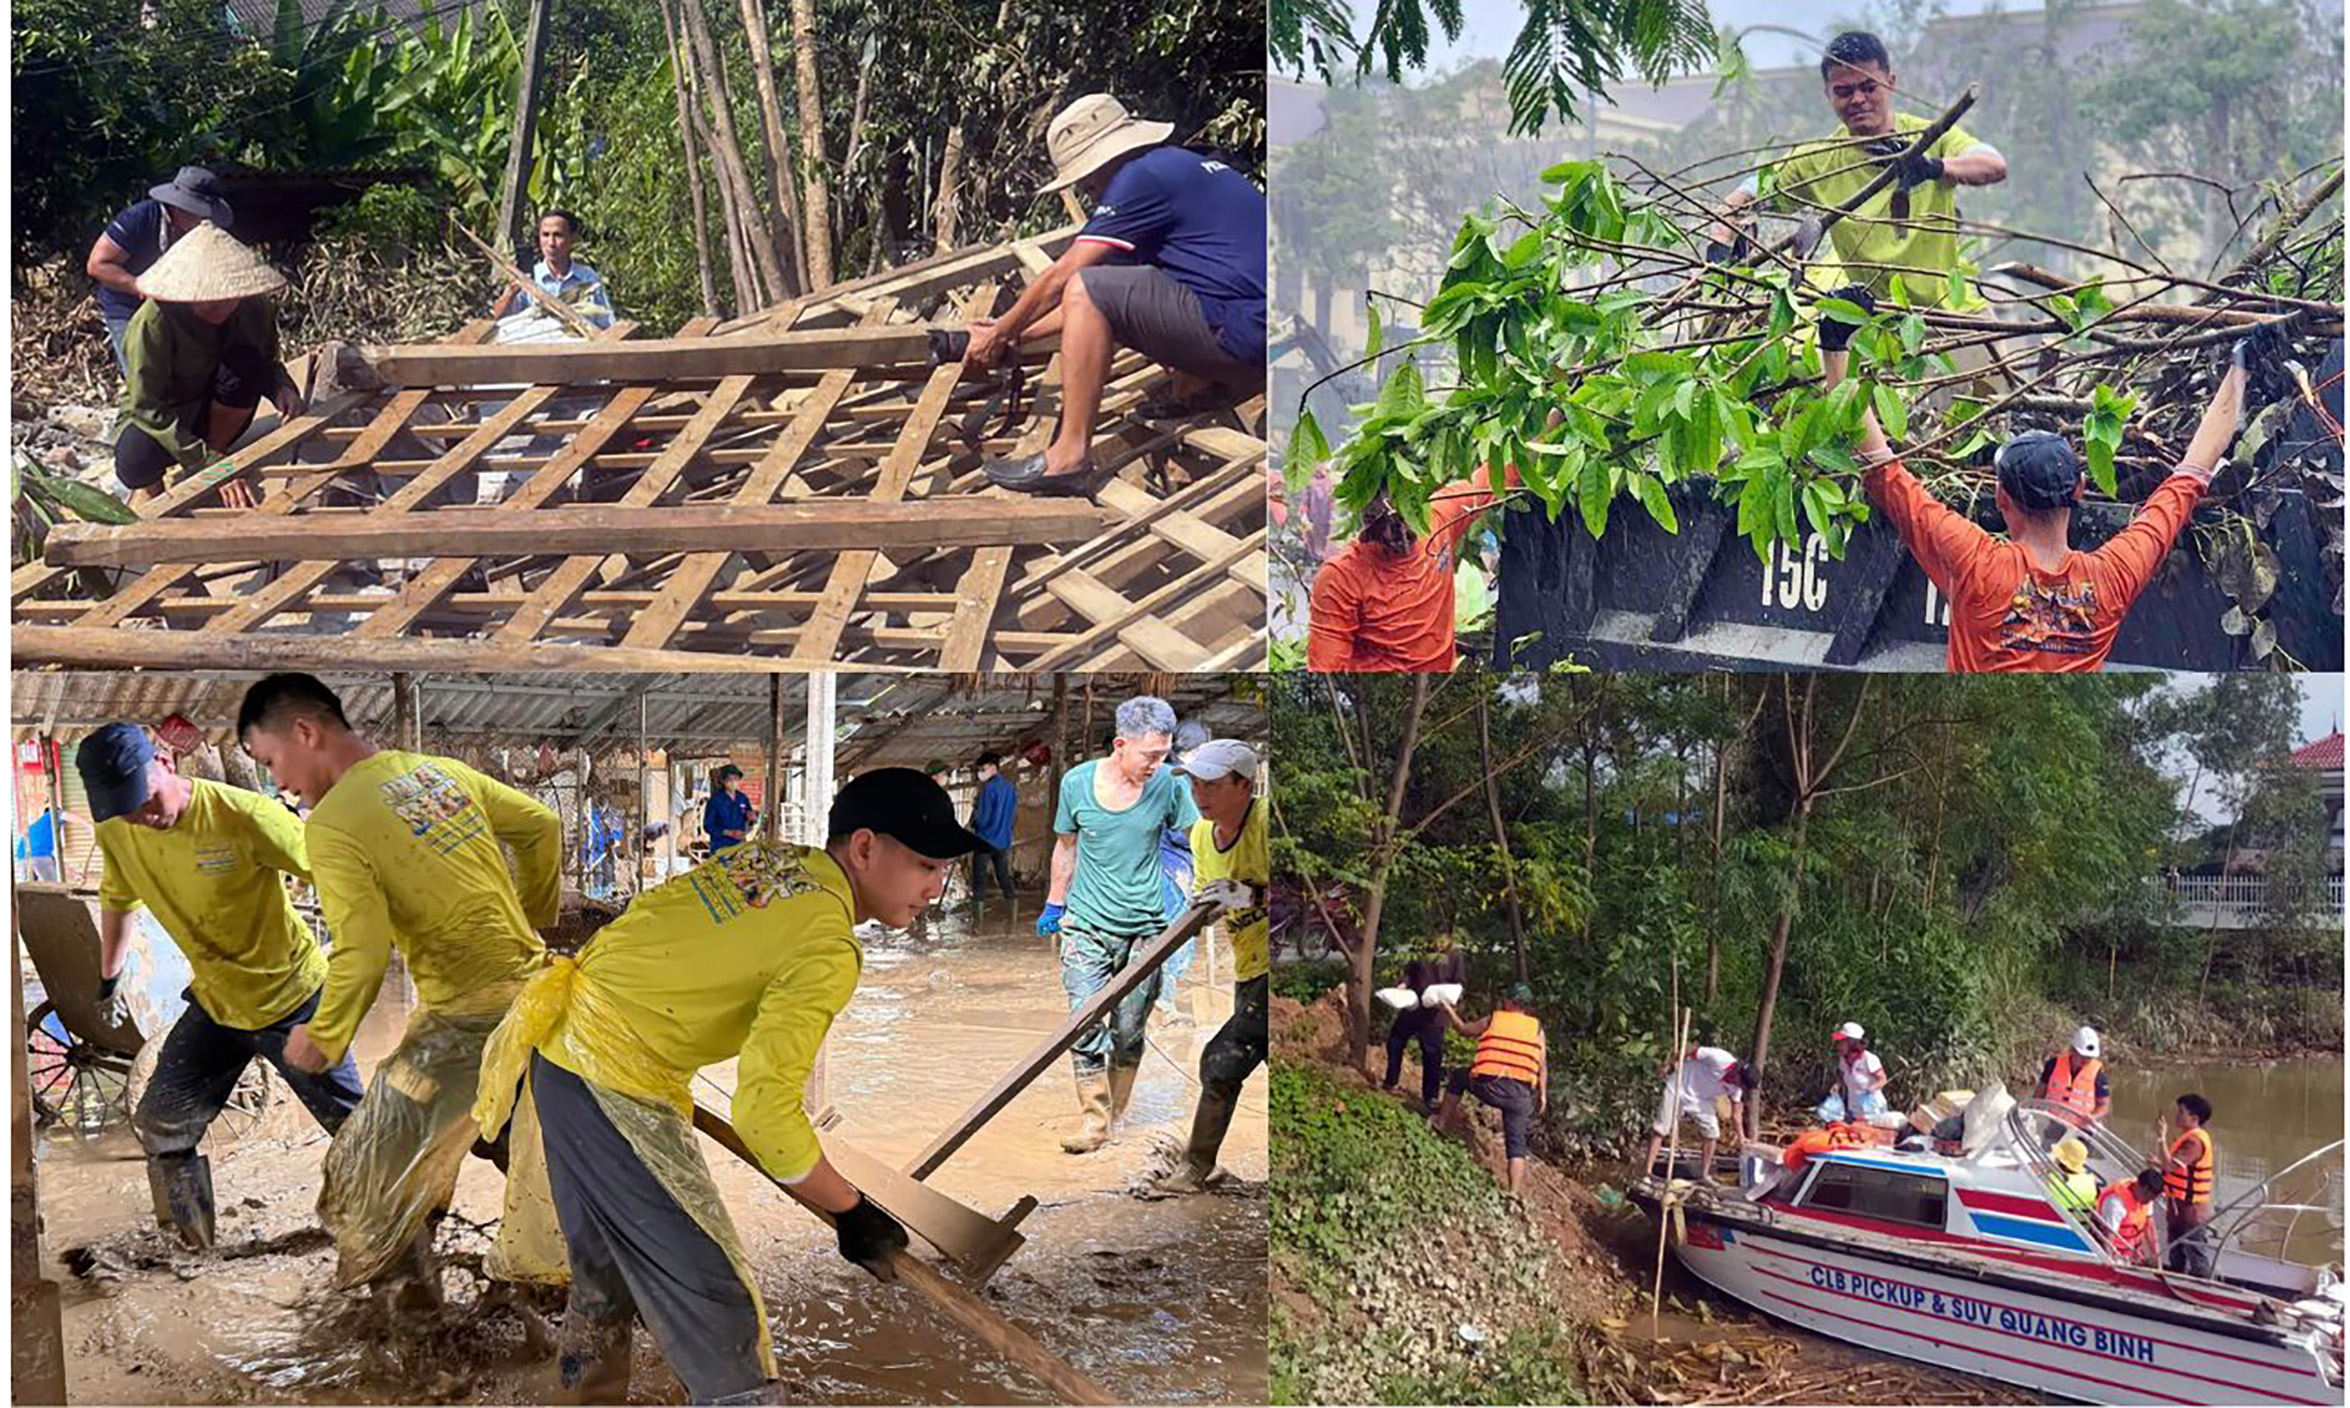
2075, 1079
1232, 864
1172, 264
199, 356
138, 235
1860, 1079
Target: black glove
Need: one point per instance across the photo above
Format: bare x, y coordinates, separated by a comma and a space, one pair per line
2265, 343
1918, 170
114, 1010
1739, 250
867, 1237
1835, 334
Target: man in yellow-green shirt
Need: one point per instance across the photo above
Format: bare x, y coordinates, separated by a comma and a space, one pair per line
1908, 228
749, 956
1231, 864
406, 852
210, 861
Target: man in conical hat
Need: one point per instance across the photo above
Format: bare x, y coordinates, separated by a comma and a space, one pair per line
201, 352
1171, 264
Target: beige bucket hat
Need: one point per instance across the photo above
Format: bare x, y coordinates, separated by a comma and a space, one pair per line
1091, 132
208, 263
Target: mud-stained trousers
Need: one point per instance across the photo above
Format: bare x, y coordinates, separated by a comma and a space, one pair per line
1089, 961
1238, 1047
201, 1063
634, 1251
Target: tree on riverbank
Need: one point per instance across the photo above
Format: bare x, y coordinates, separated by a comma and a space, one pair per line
1955, 862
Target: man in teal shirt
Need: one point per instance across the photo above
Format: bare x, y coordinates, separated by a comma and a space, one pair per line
1105, 900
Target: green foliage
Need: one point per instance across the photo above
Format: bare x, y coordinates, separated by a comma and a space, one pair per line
2101, 435
1307, 981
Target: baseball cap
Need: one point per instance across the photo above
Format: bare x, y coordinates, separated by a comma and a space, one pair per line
1218, 757
113, 764
907, 807
1521, 992
1851, 1031
2039, 470
2085, 1041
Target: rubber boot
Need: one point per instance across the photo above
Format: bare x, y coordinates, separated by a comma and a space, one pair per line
1093, 1114
181, 1186
1208, 1124
414, 1281
594, 1360
1121, 1092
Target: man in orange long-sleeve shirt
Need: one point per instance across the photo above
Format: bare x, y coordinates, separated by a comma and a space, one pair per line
1385, 601
2029, 601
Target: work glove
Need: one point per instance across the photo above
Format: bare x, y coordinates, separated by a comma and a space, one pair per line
1049, 922
867, 1237
1836, 334
1739, 250
1808, 233
2265, 343
114, 1010
1228, 895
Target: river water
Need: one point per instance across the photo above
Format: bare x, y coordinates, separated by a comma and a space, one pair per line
2265, 1115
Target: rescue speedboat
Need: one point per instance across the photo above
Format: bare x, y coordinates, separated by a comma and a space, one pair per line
1964, 1260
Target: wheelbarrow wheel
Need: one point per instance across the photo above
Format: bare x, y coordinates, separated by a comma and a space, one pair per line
243, 1115
78, 1089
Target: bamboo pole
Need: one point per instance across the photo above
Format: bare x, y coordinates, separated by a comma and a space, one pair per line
1664, 1220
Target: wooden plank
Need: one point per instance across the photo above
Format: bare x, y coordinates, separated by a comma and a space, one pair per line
977, 596
1133, 625
191, 650
1140, 966
776, 468
661, 359
832, 525
1159, 643
967, 1236
977, 1318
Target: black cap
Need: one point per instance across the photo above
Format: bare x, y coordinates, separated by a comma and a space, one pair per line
729, 770
2039, 470
113, 764
907, 807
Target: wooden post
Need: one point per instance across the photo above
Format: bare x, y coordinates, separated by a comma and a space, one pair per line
644, 805
771, 805
407, 713
36, 1328
526, 116
55, 780
693, 170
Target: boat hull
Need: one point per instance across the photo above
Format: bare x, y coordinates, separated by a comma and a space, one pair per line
1995, 1328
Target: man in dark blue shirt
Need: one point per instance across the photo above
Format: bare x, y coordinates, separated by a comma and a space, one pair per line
992, 812
1172, 264
134, 239
726, 818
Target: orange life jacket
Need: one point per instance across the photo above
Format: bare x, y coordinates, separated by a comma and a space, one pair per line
2074, 1086
1511, 1047
2137, 1214
2193, 1183
1820, 1141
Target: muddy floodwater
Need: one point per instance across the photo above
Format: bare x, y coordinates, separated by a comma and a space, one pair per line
1158, 1300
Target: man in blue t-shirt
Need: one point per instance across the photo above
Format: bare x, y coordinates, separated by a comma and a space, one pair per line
135, 238
992, 812
1172, 264
726, 817
1104, 902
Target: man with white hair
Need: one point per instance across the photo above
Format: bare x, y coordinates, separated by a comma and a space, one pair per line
1104, 900
2076, 1079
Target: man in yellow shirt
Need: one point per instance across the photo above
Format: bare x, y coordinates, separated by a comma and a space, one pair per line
747, 957
1232, 864
1908, 228
210, 861
405, 851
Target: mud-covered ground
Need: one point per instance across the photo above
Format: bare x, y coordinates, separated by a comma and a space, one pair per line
1158, 1300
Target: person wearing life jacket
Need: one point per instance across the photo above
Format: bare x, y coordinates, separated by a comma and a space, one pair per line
2126, 1212
2076, 1079
1511, 1073
2072, 1186
2190, 1165
1860, 1079
1820, 1141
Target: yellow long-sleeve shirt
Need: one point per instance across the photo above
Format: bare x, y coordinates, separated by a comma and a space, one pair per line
1250, 861
404, 849
217, 883
750, 954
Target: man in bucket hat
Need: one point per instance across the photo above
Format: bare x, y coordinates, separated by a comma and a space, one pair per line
1172, 264
2029, 601
200, 354
134, 239
210, 862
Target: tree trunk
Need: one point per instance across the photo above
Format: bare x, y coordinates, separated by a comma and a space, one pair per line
693, 170
1501, 840
950, 170
1776, 966
737, 177
1713, 931
779, 163
1358, 995
526, 118
819, 225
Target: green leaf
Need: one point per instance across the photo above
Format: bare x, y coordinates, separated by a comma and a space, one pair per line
1593, 494
88, 502
1891, 412
1374, 339
1658, 503
1815, 506
1842, 311
2100, 455
1957, 290
1404, 395
1685, 398
1913, 333
1783, 504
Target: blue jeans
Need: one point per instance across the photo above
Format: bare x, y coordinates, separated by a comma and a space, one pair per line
115, 329
1088, 962
199, 1067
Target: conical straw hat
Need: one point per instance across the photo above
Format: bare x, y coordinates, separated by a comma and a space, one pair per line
208, 263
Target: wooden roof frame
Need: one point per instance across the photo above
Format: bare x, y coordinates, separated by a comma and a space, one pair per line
819, 422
